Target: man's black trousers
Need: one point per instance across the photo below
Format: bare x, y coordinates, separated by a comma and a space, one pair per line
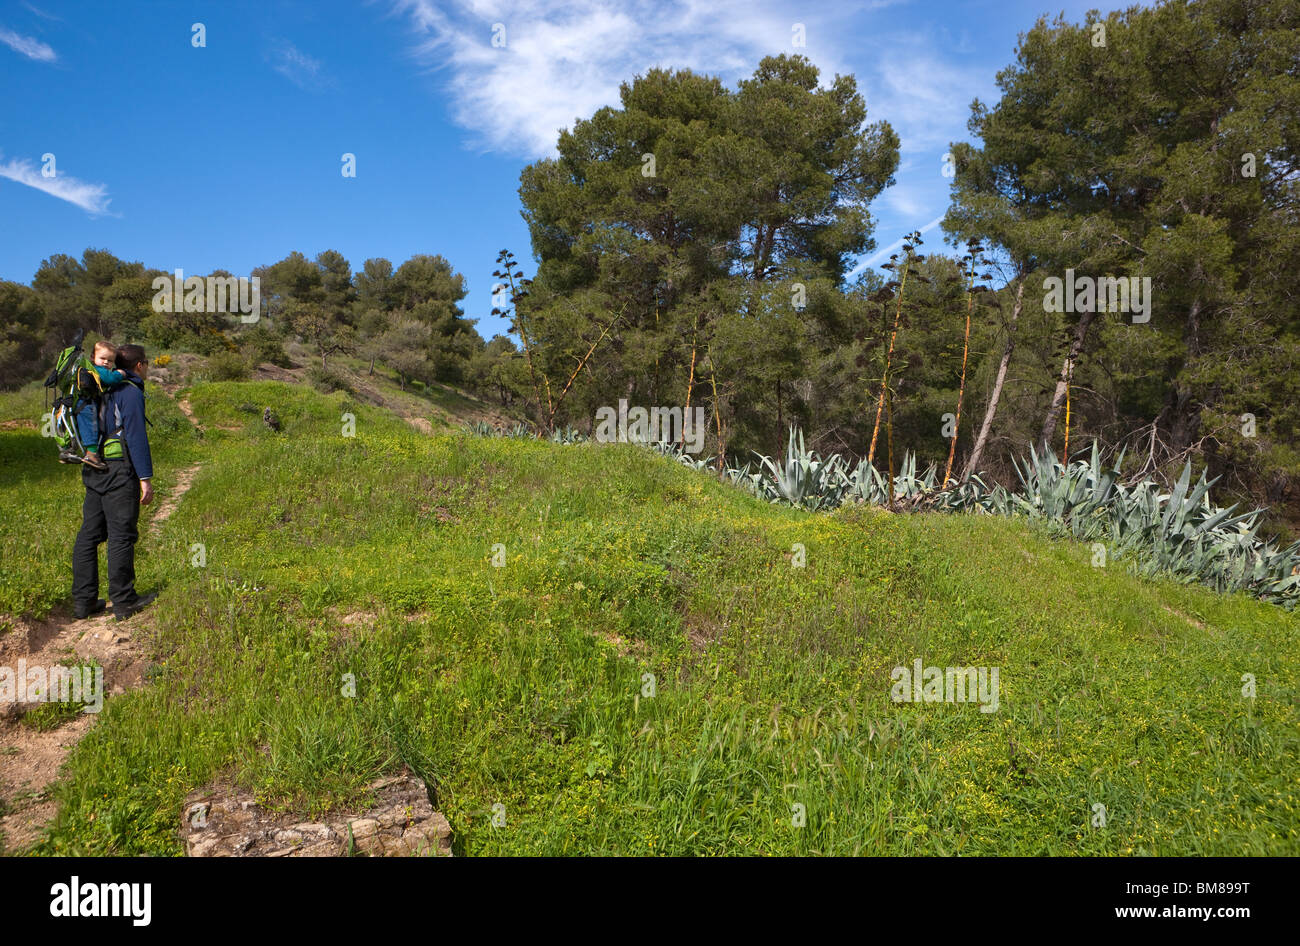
111, 512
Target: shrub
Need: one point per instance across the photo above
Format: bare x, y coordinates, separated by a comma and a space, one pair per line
213, 342
260, 344
227, 366
328, 380
159, 328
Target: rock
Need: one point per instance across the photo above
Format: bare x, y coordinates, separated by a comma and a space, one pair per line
401, 823
364, 828
202, 847
197, 815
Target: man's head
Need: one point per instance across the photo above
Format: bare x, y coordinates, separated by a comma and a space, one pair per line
104, 354
132, 358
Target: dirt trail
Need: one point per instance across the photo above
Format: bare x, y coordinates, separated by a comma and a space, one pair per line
32, 758
188, 410
167, 506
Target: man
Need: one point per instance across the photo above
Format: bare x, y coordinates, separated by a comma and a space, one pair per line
114, 496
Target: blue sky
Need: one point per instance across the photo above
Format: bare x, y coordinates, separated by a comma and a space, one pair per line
229, 156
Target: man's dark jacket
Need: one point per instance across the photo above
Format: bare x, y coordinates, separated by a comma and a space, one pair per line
125, 401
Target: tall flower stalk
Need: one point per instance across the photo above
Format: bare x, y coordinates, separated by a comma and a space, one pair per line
972, 260
909, 258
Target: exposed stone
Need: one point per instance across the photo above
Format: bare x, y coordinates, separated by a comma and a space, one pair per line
363, 828
224, 822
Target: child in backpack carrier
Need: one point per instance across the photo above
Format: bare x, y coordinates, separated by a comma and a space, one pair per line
104, 357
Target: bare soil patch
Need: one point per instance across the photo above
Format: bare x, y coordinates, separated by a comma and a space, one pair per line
184, 480
31, 757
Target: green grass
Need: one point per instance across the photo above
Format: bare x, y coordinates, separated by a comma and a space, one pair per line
521, 686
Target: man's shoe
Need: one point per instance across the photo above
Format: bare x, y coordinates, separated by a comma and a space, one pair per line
67, 456
140, 604
92, 459
81, 613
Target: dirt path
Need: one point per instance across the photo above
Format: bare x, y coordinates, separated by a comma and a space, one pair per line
31, 757
188, 410
184, 480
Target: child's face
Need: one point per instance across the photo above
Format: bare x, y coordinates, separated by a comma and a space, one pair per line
105, 357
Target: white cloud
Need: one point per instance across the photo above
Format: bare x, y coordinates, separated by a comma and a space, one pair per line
563, 61
41, 13
27, 46
924, 93
906, 197
296, 66
92, 198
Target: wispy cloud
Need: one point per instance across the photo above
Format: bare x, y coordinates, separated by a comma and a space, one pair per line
908, 197
299, 68
92, 198
27, 46
563, 60
924, 91
41, 13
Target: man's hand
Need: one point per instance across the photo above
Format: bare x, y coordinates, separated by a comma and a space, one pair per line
146, 492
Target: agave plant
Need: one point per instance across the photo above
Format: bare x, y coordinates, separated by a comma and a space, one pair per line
908, 484
1179, 533
1075, 497
869, 485
678, 452
974, 495
804, 479
738, 475
569, 435
480, 429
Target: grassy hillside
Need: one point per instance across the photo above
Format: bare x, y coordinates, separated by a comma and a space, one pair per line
525, 686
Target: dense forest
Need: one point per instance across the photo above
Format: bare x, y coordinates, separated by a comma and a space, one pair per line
693, 247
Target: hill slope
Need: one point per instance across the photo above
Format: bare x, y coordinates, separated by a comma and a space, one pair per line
649, 670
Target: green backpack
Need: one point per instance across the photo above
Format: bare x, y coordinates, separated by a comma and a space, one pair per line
74, 382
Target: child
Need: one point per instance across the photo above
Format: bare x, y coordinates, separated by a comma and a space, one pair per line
104, 357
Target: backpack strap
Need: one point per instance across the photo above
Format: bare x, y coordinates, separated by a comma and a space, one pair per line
109, 432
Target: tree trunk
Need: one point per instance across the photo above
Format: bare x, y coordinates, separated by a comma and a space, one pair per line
1180, 418
690, 382
972, 464
717, 417
889, 437
1062, 383
780, 427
